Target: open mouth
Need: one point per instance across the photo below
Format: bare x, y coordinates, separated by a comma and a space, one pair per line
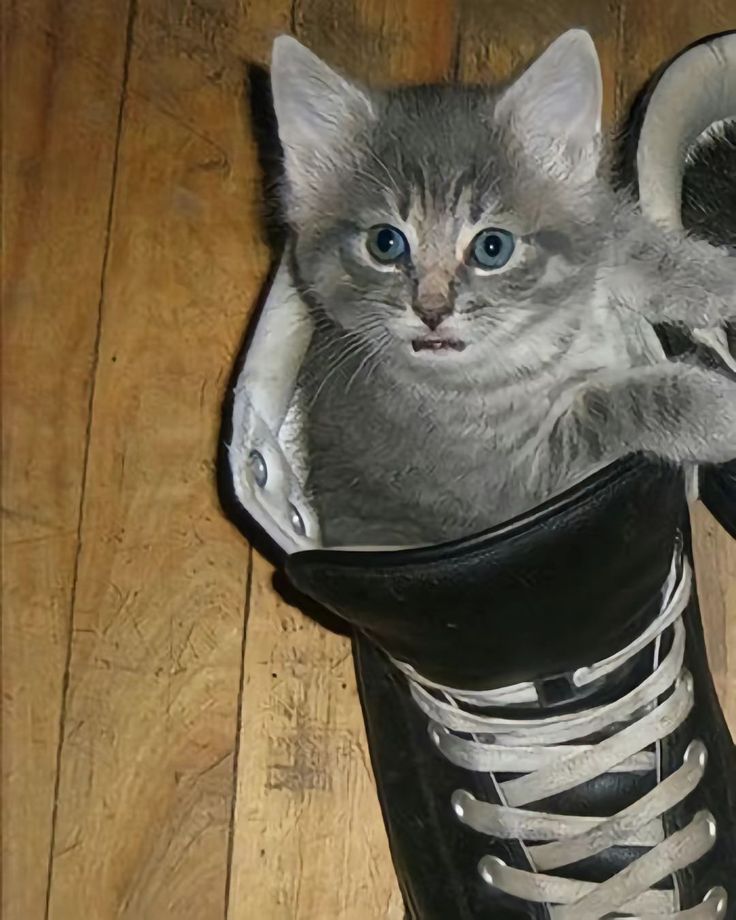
437, 345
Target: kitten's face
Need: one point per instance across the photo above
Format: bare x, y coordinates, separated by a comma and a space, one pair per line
428, 231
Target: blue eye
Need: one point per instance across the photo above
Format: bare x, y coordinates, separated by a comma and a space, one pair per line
386, 244
492, 248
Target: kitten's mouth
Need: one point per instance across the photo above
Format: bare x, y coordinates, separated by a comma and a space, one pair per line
437, 345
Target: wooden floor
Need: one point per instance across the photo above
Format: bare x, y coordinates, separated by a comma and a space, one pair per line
177, 742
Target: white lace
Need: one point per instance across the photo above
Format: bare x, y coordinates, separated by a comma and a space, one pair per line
549, 755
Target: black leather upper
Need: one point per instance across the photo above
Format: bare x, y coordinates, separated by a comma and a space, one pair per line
568, 585
436, 857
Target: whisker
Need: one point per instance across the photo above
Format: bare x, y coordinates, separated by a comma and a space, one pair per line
346, 355
371, 354
385, 168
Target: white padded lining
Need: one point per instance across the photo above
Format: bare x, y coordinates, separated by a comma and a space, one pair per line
693, 98
266, 418
696, 91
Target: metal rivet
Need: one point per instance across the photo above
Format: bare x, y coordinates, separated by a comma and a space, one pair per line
486, 867
711, 822
686, 678
460, 799
297, 522
696, 752
258, 468
579, 676
434, 734
720, 897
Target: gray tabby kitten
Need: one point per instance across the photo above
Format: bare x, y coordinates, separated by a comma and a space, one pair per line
482, 299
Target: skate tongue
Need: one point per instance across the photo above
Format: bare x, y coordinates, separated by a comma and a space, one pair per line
569, 585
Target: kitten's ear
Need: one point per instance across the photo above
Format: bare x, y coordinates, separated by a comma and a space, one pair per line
318, 111
554, 108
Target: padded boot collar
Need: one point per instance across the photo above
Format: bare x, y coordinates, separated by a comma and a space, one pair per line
689, 97
684, 106
551, 592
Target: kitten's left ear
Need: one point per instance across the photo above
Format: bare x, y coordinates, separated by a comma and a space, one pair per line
318, 111
554, 108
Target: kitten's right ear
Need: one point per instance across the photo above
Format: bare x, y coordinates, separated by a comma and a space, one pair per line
554, 108
318, 111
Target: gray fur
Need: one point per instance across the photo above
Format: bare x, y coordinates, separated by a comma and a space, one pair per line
562, 372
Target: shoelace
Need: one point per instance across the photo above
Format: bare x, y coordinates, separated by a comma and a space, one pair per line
550, 758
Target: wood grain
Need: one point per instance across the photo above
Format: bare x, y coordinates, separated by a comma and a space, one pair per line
61, 84
493, 45
207, 770
309, 840
715, 565
381, 41
654, 31
145, 792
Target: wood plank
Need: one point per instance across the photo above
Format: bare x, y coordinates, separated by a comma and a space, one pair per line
496, 42
62, 78
715, 564
309, 840
146, 784
652, 33
379, 41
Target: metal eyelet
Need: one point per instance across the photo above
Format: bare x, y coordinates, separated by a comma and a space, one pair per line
297, 521
720, 896
459, 800
486, 867
258, 468
696, 752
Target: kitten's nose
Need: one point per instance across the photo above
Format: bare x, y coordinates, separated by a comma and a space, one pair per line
433, 315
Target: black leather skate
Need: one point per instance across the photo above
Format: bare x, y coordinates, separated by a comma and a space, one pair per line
543, 726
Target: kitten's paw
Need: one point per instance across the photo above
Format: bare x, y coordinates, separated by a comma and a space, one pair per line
705, 413
676, 411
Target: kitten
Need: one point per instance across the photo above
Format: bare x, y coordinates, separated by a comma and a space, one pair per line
482, 299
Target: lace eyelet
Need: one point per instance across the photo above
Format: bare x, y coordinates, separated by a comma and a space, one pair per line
696, 752
297, 521
460, 799
258, 468
462, 745
720, 896
486, 867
